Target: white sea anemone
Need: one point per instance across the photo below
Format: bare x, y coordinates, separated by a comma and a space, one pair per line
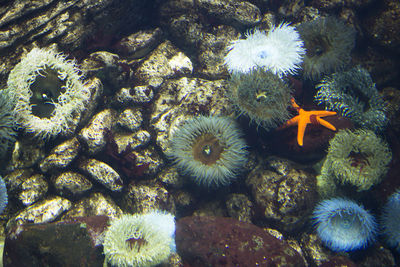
47, 90
140, 240
279, 51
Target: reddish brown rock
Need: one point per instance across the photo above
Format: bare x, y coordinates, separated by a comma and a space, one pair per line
217, 241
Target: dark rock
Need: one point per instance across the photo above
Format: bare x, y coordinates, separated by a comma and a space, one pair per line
74, 243
218, 241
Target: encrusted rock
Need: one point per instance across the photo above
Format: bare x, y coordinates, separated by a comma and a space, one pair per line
33, 189
134, 140
44, 211
239, 14
25, 154
65, 244
137, 95
165, 61
240, 207
102, 173
95, 204
216, 241
61, 156
71, 183
130, 119
186, 96
93, 134
139, 44
286, 197
170, 177
144, 198
16, 178
150, 158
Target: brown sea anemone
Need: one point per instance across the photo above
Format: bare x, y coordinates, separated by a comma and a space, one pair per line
328, 43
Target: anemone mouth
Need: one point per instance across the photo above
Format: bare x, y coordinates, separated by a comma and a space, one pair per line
318, 46
207, 149
45, 91
136, 243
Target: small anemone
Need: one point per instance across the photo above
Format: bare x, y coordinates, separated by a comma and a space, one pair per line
7, 123
262, 96
328, 42
343, 225
209, 149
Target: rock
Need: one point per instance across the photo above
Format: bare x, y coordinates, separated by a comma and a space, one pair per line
33, 189
284, 194
216, 241
102, 173
240, 207
61, 155
56, 244
71, 184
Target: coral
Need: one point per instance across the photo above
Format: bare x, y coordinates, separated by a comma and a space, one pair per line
47, 89
7, 122
328, 42
139, 240
358, 158
3, 195
209, 149
343, 225
353, 94
390, 220
279, 51
262, 96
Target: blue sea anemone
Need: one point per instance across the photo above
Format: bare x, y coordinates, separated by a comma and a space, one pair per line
390, 220
353, 94
209, 149
3, 195
140, 239
343, 225
48, 92
279, 51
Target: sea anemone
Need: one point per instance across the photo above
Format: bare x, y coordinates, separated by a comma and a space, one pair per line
7, 123
328, 42
262, 96
139, 240
3, 195
279, 51
353, 94
343, 225
209, 149
358, 158
47, 90
390, 220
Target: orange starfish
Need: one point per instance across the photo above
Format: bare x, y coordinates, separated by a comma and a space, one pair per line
307, 117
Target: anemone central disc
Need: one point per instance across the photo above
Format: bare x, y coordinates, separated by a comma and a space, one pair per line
207, 149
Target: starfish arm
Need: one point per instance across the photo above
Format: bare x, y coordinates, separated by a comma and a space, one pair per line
292, 121
323, 113
300, 131
326, 124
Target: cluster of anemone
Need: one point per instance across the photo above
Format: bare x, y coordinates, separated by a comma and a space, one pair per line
357, 158
343, 225
140, 239
209, 149
328, 42
279, 51
353, 94
46, 90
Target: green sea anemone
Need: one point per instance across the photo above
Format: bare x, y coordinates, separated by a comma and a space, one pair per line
262, 96
353, 94
357, 158
328, 42
47, 90
209, 149
139, 240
